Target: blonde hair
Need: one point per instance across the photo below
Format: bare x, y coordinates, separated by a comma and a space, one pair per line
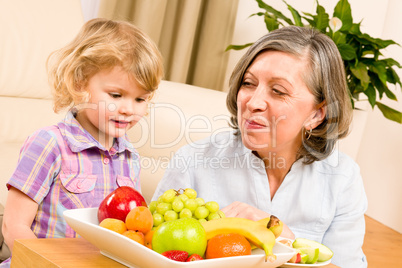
325, 78
102, 44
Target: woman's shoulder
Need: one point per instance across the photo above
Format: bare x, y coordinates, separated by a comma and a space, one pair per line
337, 164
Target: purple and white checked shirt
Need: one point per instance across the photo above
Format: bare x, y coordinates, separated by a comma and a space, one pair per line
63, 167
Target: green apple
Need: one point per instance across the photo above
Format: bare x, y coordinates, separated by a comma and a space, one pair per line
325, 253
303, 258
185, 234
312, 254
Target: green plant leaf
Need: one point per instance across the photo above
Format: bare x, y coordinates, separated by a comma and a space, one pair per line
273, 11
390, 94
378, 85
378, 67
393, 77
257, 14
322, 18
390, 113
347, 51
383, 43
361, 72
311, 21
369, 50
271, 23
238, 47
339, 38
391, 62
295, 14
355, 29
371, 94
344, 13
376, 75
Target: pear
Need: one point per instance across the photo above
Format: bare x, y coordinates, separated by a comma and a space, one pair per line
325, 253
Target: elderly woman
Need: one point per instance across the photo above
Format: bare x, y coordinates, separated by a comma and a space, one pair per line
289, 105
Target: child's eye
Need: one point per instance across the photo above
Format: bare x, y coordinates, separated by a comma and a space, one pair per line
115, 95
140, 99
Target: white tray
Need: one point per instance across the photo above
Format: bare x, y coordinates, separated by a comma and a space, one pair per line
130, 253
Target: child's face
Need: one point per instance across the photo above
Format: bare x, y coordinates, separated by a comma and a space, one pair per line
116, 104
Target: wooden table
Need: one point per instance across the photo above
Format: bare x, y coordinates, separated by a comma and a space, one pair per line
59, 252
62, 252
382, 245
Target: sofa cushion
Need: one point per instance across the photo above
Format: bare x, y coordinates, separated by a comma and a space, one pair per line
30, 31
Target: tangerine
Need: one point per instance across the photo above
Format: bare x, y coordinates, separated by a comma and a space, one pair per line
148, 239
114, 224
139, 219
227, 245
136, 236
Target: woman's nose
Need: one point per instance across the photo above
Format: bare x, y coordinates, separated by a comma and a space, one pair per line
257, 101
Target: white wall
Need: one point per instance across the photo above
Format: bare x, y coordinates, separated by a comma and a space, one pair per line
375, 142
380, 153
90, 9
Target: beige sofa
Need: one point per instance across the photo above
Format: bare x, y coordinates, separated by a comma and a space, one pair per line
30, 30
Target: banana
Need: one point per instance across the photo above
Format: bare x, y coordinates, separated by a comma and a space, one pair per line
255, 232
274, 224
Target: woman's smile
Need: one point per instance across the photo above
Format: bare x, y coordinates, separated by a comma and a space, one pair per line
253, 124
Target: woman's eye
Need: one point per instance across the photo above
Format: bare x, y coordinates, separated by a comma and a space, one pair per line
278, 92
246, 84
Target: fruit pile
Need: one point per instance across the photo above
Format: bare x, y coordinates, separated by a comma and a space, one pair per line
183, 203
137, 226
183, 227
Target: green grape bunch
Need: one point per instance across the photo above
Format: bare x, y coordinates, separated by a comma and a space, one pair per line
183, 203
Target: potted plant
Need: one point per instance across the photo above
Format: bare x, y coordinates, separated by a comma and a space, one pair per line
368, 72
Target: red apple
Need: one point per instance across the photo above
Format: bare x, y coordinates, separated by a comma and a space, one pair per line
119, 203
296, 258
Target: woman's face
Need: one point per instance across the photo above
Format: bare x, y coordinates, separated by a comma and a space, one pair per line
274, 104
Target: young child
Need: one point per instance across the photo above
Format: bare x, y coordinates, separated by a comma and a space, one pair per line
106, 77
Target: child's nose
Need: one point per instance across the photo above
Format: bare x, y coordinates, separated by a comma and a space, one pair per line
127, 107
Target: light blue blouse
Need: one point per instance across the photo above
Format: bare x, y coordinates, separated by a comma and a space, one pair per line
324, 201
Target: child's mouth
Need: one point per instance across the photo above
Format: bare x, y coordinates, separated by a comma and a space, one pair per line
120, 124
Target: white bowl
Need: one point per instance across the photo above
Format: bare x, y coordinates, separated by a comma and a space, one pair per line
130, 253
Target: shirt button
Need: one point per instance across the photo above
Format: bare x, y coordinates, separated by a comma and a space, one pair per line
106, 161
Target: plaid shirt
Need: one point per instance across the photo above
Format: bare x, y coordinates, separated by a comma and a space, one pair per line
63, 167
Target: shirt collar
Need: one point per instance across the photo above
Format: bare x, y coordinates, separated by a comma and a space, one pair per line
298, 164
78, 139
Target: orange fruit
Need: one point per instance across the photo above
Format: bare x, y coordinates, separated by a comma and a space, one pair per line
227, 245
139, 219
148, 239
136, 236
114, 224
